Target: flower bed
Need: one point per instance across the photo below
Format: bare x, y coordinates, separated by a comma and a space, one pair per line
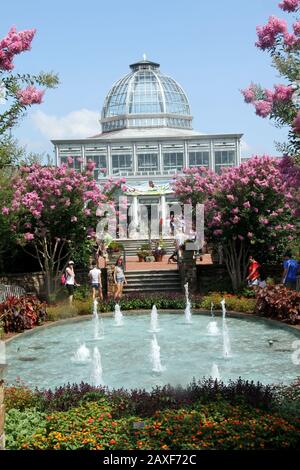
204, 415
279, 303
21, 313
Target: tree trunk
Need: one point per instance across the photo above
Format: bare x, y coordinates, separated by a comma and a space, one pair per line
235, 253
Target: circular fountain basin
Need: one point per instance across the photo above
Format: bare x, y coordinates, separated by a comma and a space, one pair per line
260, 350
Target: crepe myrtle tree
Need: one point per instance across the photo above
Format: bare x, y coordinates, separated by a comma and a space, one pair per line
248, 209
53, 211
18, 91
282, 103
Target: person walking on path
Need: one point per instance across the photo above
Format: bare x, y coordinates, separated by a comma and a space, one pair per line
291, 268
253, 272
119, 278
70, 281
96, 282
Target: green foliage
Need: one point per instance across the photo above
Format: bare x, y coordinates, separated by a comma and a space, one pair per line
21, 425
233, 302
64, 310
288, 399
115, 247
217, 426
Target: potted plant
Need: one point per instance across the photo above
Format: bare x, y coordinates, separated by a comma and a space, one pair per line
158, 252
115, 247
142, 254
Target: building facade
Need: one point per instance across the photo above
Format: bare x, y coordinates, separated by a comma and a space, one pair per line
147, 137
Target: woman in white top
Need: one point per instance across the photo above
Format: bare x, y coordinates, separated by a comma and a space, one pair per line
95, 278
70, 280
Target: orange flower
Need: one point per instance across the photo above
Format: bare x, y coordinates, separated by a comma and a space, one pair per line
112, 441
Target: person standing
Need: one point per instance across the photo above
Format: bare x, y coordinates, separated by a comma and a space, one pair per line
70, 280
96, 282
291, 268
119, 278
253, 272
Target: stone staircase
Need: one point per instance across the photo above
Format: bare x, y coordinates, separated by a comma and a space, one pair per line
152, 281
132, 246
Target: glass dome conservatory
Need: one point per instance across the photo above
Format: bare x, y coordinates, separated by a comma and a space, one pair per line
145, 98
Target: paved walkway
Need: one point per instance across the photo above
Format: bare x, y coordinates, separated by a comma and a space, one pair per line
133, 264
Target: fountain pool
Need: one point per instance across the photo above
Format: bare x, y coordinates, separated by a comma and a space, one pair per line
43, 358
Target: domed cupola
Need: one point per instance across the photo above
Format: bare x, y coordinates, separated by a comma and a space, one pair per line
145, 98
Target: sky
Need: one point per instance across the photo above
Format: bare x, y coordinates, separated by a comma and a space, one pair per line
207, 46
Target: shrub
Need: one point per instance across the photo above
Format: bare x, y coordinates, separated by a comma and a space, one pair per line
19, 397
280, 303
287, 398
21, 425
21, 313
233, 302
64, 310
143, 403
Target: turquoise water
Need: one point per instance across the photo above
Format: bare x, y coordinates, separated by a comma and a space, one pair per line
43, 359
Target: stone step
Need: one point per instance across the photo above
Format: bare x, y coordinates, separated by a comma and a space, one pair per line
162, 273
152, 289
138, 282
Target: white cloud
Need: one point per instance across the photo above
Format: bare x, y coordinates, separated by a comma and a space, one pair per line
81, 123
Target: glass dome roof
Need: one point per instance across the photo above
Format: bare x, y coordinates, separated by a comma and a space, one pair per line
145, 98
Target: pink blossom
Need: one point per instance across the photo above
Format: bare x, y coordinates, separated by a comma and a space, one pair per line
5, 210
283, 93
91, 165
267, 34
247, 205
235, 219
263, 108
241, 237
70, 160
296, 27
218, 232
28, 236
80, 160
73, 218
289, 5
269, 95
30, 95
249, 94
230, 197
290, 39
250, 235
14, 43
87, 211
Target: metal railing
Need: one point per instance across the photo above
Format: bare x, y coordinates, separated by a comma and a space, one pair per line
10, 291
